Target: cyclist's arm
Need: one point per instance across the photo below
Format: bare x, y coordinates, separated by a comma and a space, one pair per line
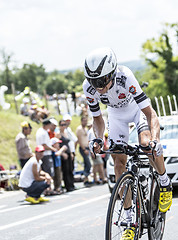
153, 122
98, 126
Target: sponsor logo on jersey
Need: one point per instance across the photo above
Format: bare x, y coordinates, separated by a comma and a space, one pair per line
121, 81
122, 96
91, 90
104, 100
90, 100
122, 103
132, 89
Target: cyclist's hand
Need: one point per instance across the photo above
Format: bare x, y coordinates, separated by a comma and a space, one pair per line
157, 147
95, 145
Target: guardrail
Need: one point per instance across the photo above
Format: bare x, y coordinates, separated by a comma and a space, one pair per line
171, 106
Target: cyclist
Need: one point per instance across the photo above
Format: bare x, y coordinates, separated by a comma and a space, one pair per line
117, 87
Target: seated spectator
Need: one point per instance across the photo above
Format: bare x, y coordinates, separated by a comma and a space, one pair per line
33, 180
24, 107
43, 112
33, 114
22, 144
57, 163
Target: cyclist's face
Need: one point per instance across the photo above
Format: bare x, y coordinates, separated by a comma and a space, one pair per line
105, 89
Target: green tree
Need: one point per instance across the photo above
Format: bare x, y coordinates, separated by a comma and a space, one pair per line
75, 80
157, 86
55, 83
159, 53
6, 74
32, 76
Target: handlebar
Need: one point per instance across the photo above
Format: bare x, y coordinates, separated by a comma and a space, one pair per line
128, 150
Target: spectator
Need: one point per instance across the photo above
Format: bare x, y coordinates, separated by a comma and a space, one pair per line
3, 183
105, 156
33, 180
84, 149
24, 107
42, 138
57, 163
33, 113
98, 167
52, 127
43, 112
22, 144
67, 165
73, 139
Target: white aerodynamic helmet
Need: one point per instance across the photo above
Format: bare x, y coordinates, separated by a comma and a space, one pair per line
100, 66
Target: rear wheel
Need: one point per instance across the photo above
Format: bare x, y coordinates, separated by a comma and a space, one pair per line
157, 224
116, 218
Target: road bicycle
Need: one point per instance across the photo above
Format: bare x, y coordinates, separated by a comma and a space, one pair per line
146, 217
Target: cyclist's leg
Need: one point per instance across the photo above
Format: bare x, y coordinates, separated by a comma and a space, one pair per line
120, 161
158, 163
118, 132
144, 136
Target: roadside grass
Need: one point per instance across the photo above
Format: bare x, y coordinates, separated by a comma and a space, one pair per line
10, 127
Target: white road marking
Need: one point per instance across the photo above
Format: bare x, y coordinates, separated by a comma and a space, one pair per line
53, 212
9, 194
14, 208
3, 206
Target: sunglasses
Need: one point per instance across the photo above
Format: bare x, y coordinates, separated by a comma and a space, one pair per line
101, 82
63, 125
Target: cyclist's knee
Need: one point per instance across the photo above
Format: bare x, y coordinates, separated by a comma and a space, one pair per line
120, 164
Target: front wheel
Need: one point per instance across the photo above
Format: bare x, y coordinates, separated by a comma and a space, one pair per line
157, 218
122, 196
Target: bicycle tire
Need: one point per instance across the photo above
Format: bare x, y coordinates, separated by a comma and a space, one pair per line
157, 225
116, 216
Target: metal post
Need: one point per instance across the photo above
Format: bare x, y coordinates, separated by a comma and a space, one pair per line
175, 103
170, 105
157, 105
163, 106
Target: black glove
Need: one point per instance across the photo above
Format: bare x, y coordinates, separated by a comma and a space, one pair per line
91, 144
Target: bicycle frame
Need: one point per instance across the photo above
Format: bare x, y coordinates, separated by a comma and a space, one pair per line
135, 169
144, 208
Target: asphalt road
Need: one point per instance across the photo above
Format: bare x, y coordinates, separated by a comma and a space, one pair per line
77, 215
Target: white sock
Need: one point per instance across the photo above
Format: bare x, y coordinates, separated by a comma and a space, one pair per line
128, 213
164, 179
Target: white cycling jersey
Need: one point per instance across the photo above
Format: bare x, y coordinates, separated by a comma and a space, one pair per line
124, 100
